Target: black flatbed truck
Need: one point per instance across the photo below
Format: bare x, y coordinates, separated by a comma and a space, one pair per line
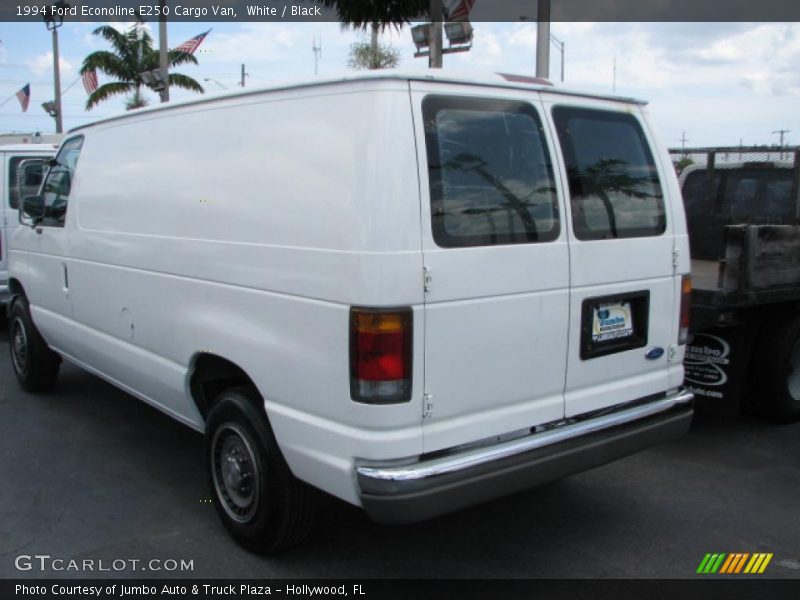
743, 215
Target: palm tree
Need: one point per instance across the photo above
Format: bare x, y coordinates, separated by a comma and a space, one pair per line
133, 55
363, 13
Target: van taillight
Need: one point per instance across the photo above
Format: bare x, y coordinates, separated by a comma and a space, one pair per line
380, 355
686, 298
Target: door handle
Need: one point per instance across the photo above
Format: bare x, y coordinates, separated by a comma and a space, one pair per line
66, 277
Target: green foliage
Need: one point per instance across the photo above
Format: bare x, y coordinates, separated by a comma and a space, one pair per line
683, 163
363, 56
363, 13
132, 54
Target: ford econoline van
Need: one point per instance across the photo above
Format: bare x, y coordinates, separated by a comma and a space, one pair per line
21, 167
414, 292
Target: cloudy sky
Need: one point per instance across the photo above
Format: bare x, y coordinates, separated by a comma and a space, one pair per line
718, 83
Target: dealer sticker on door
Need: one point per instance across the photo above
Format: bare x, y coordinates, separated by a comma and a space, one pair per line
612, 321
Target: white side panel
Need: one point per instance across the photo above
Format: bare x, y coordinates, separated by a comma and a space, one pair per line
248, 232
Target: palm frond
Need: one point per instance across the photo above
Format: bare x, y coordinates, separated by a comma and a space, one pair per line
105, 91
108, 63
185, 83
179, 57
361, 14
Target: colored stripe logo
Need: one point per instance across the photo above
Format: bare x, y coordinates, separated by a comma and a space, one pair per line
734, 563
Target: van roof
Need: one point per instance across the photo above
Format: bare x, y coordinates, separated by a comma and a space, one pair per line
28, 147
486, 79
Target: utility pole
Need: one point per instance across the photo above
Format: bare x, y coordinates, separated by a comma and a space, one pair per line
162, 50
437, 12
53, 20
57, 82
614, 77
782, 133
317, 50
244, 74
543, 39
684, 139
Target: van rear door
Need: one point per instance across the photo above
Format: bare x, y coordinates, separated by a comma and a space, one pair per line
496, 257
622, 280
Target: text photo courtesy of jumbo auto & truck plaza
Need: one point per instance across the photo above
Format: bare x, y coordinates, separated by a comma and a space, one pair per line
395, 295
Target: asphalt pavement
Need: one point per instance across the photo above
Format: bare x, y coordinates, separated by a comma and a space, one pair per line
87, 472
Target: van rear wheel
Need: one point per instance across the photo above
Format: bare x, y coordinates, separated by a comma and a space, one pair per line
35, 364
777, 369
262, 505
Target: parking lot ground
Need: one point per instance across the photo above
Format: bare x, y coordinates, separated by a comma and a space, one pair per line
87, 471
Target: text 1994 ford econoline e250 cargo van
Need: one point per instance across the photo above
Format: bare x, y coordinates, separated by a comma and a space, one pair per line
414, 292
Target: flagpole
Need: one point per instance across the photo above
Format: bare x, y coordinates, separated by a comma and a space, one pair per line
70, 86
7, 100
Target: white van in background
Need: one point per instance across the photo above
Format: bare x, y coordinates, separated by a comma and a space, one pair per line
17, 178
415, 292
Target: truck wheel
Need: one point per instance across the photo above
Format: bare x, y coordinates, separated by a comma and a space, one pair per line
35, 365
262, 505
778, 369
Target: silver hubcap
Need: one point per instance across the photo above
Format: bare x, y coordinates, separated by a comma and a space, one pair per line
19, 346
235, 472
794, 376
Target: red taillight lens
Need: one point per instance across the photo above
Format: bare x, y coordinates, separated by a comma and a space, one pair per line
380, 355
686, 298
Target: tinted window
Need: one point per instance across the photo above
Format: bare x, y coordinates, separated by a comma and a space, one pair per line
491, 177
32, 178
59, 182
613, 183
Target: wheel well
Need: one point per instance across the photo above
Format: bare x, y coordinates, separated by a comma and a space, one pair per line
211, 375
15, 288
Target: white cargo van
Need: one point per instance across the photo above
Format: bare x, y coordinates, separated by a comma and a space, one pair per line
414, 292
21, 167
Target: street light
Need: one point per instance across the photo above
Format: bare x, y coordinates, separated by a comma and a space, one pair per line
560, 45
154, 80
224, 87
459, 34
53, 19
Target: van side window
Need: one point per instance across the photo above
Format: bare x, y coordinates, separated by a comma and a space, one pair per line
613, 182
491, 175
58, 183
30, 185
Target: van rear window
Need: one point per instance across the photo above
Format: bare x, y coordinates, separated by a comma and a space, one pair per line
613, 182
491, 177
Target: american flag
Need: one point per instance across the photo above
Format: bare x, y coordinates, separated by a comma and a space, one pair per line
462, 10
89, 80
193, 44
24, 96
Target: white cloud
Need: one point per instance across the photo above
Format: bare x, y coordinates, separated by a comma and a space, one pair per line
43, 63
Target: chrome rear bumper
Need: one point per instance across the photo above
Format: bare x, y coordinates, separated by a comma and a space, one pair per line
438, 485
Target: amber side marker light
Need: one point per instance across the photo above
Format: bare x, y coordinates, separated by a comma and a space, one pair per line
380, 355
686, 299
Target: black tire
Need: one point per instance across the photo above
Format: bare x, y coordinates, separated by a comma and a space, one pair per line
35, 365
262, 505
777, 369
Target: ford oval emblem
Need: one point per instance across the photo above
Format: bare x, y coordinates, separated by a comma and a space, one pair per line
655, 353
